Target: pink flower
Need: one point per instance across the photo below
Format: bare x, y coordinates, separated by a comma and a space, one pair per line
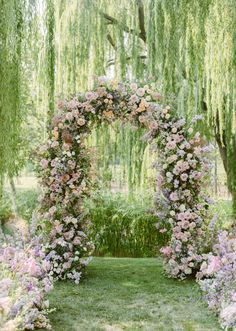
140, 92
72, 104
196, 175
214, 264
91, 96
134, 98
5, 304
31, 267
167, 250
233, 296
160, 180
102, 80
69, 116
77, 241
44, 163
171, 145
174, 196
184, 177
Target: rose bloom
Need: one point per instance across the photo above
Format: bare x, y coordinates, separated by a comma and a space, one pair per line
72, 104
174, 130
134, 98
54, 144
174, 196
167, 250
184, 177
90, 96
140, 92
171, 145
153, 125
81, 121
142, 119
69, 116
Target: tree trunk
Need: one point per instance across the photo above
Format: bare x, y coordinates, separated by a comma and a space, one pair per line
13, 196
225, 156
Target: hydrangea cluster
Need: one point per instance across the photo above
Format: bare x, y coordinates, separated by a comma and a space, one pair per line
24, 281
217, 278
67, 175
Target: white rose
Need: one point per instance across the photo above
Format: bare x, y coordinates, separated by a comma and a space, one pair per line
182, 207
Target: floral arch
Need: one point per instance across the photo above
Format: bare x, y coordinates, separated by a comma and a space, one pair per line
66, 175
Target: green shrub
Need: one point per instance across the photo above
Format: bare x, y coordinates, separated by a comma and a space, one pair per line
124, 226
5, 209
26, 201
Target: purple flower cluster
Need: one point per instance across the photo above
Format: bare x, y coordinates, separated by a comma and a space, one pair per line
24, 281
217, 278
67, 173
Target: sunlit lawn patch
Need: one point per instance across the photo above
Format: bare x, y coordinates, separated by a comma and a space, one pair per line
129, 294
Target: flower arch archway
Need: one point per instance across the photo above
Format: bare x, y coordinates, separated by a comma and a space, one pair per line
66, 175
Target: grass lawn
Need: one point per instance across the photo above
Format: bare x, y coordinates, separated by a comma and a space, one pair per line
129, 294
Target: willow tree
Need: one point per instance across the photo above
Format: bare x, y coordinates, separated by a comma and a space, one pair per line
11, 25
187, 46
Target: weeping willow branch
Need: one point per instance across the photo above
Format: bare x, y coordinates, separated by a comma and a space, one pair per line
50, 56
111, 41
114, 21
128, 58
141, 20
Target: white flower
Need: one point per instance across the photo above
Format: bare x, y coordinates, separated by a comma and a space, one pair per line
182, 207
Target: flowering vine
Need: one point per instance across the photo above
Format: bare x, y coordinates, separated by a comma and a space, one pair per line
67, 176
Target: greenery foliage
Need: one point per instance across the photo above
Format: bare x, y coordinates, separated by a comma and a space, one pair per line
11, 112
124, 226
187, 46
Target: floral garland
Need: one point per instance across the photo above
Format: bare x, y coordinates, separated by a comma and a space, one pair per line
66, 174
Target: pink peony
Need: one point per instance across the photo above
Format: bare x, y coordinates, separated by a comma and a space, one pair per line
214, 265
167, 250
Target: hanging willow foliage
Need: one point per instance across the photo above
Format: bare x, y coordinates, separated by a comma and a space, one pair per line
123, 157
11, 27
187, 46
50, 55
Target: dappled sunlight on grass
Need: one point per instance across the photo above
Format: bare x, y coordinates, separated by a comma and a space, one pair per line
129, 294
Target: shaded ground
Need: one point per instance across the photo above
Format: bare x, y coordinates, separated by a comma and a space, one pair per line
129, 294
